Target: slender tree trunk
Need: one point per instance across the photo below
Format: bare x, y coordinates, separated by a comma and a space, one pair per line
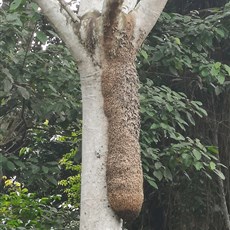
223, 202
95, 210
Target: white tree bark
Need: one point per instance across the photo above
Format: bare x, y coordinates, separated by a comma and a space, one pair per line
64, 26
90, 5
95, 211
147, 13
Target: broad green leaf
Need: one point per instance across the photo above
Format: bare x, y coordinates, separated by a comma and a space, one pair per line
146, 168
41, 36
215, 71
187, 159
158, 174
218, 90
52, 88
15, 20
144, 54
23, 91
45, 169
15, 4
19, 163
197, 154
34, 6
217, 65
167, 174
35, 168
8, 74
213, 149
190, 118
2, 158
212, 165
169, 107
220, 78
52, 180
227, 68
7, 84
177, 41
198, 165
152, 183
220, 32
158, 165
10, 165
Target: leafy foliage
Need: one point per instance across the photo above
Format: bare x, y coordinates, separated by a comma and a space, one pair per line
166, 148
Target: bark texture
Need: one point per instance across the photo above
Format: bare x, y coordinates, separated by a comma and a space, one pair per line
121, 106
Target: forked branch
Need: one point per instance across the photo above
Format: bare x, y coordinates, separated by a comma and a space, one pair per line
64, 24
147, 13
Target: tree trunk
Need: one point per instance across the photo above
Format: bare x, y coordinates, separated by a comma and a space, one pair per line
95, 210
223, 202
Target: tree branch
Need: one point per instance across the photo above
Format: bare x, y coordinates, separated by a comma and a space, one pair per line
128, 5
64, 25
89, 6
69, 11
146, 13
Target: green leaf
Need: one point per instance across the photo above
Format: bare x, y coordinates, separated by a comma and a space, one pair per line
15, 4
177, 41
52, 88
7, 85
169, 107
167, 174
186, 159
45, 169
158, 175
151, 181
218, 90
8, 74
217, 65
2, 159
212, 165
213, 149
197, 154
35, 169
158, 165
34, 6
190, 118
23, 91
10, 165
215, 71
220, 174
220, 78
41, 36
19, 163
52, 180
227, 68
198, 165
220, 32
